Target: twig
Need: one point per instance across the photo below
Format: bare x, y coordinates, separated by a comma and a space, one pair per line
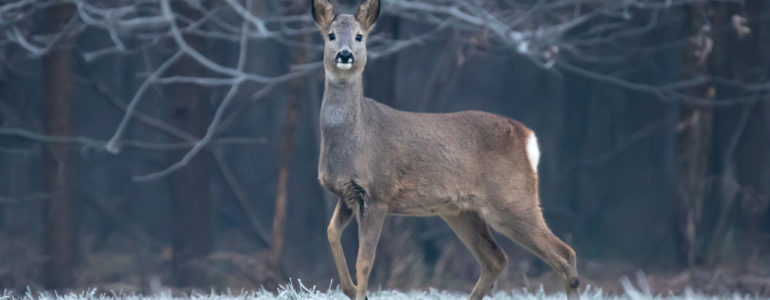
112, 145
132, 230
89, 142
240, 197
632, 139
198, 145
222, 106
728, 185
115, 100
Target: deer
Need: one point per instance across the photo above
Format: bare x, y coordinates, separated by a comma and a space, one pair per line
473, 169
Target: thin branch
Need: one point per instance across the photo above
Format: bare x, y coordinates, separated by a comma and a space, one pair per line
608, 155
240, 196
258, 23
115, 100
220, 110
198, 145
89, 142
112, 145
211, 65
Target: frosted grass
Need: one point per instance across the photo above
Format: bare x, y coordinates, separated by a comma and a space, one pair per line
298, 291
286, 293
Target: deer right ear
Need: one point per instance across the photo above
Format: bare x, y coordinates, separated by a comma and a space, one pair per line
368, 13
323, 12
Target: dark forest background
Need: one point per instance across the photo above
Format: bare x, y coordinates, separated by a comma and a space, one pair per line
152, 144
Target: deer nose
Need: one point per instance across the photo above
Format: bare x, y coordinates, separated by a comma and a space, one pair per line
345, 57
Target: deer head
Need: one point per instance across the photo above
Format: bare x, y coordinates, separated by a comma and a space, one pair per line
345, 36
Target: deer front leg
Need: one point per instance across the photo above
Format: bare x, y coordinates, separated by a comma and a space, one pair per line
339, 221
369, 228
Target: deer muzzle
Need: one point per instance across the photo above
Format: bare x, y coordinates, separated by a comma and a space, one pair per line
344, 59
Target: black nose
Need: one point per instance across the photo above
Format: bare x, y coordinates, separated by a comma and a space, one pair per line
345, 57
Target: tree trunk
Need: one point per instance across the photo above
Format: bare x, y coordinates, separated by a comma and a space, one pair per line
296, 86
694, 131
59, 236
190, 111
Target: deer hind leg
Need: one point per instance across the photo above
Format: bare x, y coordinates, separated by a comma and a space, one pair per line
528, 229
370, 221
340, 219
474, 232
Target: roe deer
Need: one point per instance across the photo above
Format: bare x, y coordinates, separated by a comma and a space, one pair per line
473, 169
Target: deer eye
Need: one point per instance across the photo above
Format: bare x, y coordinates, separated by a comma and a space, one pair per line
359, 37
331, 36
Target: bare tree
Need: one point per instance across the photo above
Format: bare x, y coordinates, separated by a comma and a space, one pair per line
694, 141
189, 110
60, 161
296, 86
555, 34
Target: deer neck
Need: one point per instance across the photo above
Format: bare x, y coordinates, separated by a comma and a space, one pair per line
342, 102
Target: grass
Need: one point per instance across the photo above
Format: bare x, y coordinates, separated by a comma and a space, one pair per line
287, 293
298, 291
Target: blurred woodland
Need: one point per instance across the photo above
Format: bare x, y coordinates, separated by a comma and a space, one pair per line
153, 143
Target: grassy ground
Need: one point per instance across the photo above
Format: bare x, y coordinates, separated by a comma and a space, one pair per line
300, 292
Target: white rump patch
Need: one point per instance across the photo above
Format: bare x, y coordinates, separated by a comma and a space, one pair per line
533, 152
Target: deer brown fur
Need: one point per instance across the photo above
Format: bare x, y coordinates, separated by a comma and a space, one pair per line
473, 169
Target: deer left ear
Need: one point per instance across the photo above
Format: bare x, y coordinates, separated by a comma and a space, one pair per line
323, 13
368, 13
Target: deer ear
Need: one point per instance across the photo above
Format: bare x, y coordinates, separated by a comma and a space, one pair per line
323, 12
367, 14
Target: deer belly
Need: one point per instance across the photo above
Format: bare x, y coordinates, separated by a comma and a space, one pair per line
420, 192
428, 204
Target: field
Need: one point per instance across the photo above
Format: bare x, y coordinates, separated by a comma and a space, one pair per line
300, 292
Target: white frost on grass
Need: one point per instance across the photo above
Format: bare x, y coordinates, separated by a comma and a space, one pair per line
300, 292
